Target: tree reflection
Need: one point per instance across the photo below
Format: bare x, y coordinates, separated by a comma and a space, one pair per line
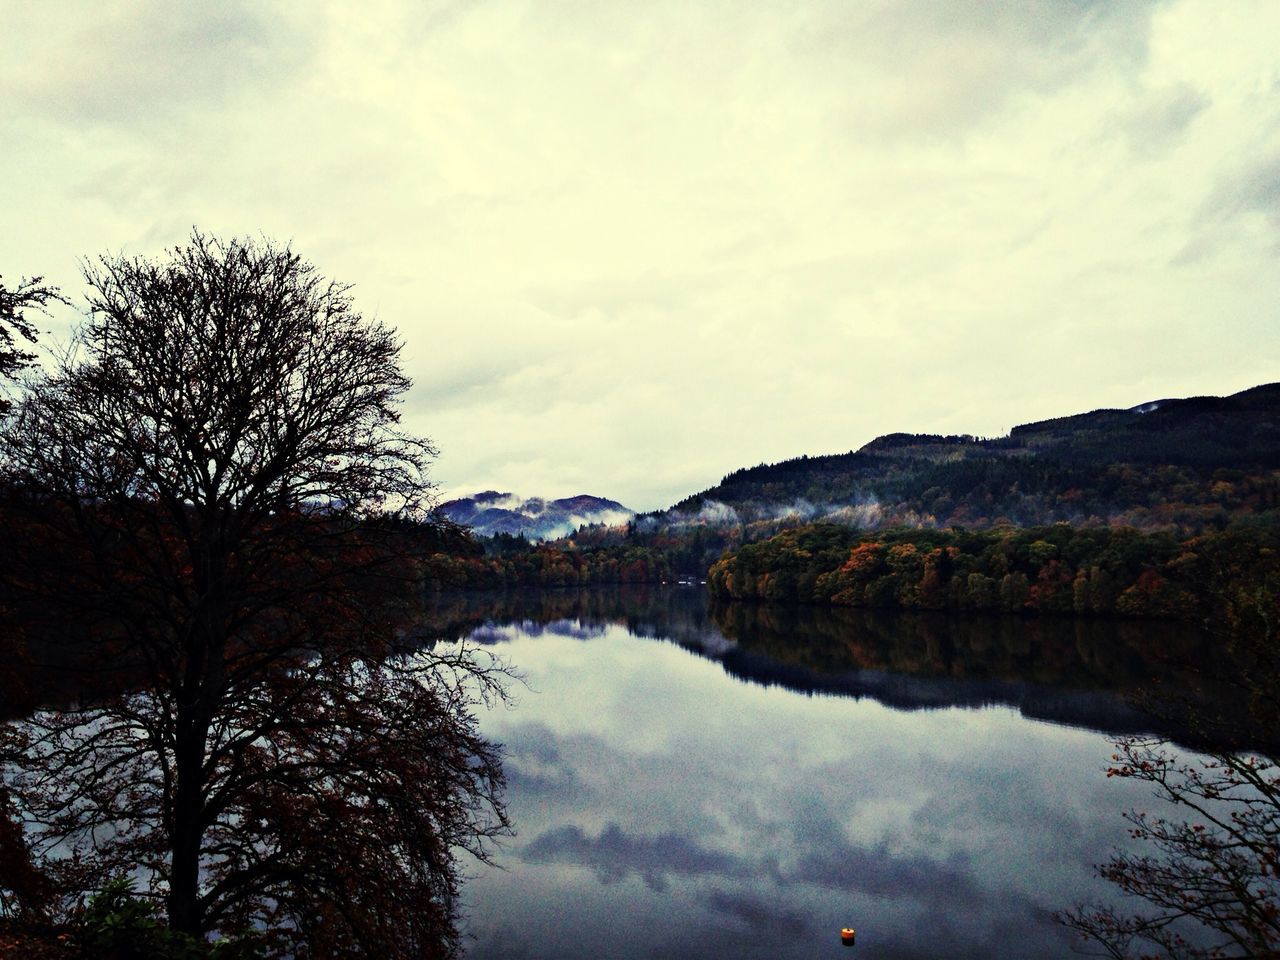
1209, 870
1211, 883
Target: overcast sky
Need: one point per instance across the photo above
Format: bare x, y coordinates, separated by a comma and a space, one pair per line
633, 246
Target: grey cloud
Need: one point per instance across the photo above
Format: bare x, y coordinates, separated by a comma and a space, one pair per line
826, 859
489, 634
1255, 189
947, 892
460, 385
1250, 189
1158, 121
999, 804
507, 943
573, 629
830, 860
944, 66
529, 783
137, 64
439, 15
1003, 939
536, 767
894, 67
538, 742
1043, 26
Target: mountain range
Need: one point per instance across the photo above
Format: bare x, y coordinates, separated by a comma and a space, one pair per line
490, 513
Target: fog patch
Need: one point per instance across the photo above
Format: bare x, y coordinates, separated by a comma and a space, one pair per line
863, 511
867, 514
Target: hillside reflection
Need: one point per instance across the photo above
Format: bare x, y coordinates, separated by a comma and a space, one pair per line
1082, 672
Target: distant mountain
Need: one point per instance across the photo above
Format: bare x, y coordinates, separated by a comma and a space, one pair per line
492, 512
1186, 463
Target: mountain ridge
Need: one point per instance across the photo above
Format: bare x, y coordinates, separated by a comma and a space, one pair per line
1240, 432
491, 512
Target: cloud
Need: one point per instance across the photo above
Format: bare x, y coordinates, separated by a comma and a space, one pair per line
825, 856
936, 69
1247, 191
1159, 120
631, 251
1254, 188
145, 63
536, 767
711, 513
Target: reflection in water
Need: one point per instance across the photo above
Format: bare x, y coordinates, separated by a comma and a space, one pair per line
752, 786
1206, 886
1081, 672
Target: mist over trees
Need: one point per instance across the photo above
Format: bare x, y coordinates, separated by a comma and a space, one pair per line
211, 500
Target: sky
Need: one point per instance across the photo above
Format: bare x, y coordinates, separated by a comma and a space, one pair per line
631, 247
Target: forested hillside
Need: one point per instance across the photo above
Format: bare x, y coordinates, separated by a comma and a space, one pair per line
1188, 464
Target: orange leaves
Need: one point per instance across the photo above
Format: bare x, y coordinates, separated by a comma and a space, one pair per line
863, 559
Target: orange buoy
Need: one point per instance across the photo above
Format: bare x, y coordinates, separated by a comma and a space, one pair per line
846, 936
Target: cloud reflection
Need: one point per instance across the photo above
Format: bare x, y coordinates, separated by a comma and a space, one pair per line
667, 808
614, 854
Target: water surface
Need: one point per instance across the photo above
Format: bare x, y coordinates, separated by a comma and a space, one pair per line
745, 782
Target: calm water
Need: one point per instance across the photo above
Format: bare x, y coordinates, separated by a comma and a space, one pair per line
745, 783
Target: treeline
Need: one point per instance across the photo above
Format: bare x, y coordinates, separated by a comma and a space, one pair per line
1231, 575
511, 561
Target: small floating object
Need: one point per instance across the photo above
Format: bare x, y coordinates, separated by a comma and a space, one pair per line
846, 936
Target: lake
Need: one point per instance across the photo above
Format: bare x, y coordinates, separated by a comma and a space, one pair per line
744, 782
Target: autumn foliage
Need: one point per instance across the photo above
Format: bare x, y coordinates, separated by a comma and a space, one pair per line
1046, 570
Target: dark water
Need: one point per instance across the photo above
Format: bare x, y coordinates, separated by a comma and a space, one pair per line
745, 782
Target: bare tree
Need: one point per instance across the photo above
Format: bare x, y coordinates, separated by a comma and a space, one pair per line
21, 886
32, 294
220, 505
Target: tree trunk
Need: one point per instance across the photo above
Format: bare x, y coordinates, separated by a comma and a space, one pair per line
184, 872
